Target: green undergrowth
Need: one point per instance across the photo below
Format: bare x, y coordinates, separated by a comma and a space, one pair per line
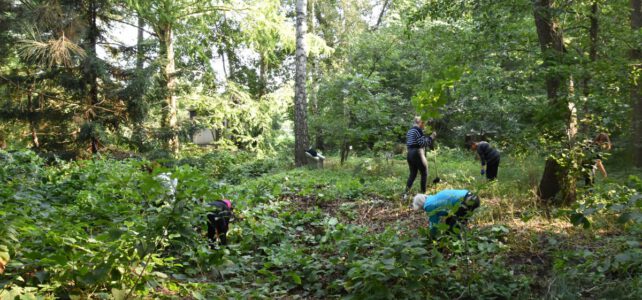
105, 229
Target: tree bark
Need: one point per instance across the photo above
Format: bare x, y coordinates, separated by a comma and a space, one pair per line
549, 186
593, 35
556, 177
301, 140
636, 84
345, 151
33, 123
381, 14
92, 73
314, 81
138, 117
170, 111
551, 43
263, 66
140, 51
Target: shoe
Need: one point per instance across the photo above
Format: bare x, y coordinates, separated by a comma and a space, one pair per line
405, 197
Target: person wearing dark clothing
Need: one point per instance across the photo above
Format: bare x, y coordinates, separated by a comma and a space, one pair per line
314, 153
415, 141
218, 221
489, 157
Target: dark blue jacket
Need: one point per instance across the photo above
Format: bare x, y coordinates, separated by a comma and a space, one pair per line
487, 154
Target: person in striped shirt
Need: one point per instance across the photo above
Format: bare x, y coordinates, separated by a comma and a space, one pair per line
416, 142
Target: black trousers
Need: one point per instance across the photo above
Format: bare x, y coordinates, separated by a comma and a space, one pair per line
416, 165
218, 222
491, 169
217, 225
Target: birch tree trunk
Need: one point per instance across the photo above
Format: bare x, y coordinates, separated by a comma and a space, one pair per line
314, 81
33, 123
301, 140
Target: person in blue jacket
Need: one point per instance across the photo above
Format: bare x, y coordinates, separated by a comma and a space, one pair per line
440, 204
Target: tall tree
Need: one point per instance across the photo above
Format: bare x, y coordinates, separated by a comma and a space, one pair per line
166, 17
636, 88
556, 176
301, 140
593, 35
91, 68
65, 77
314, 80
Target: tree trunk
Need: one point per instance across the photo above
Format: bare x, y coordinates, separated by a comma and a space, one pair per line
93, 73
170, 111
572, 122
314, 81
593, 35
549, 186
140, 51
569, 188
138, 116
555, 178
33, 123
301, 141
381, 14
636, 88
262, 76
345, 151
551, 43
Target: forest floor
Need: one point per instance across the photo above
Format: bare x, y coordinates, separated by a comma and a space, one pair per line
343, 231
536, 242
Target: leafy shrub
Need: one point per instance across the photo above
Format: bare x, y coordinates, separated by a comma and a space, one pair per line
88, 227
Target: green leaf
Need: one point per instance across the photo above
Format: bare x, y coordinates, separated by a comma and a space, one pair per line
198, 295
295, 277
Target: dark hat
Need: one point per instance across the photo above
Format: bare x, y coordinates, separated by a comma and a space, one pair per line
471, 201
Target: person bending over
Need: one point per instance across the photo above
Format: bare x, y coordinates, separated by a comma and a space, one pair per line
438, 206
218, 221
489, 157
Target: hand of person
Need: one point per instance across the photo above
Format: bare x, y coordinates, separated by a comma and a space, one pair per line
483, 171
433, 135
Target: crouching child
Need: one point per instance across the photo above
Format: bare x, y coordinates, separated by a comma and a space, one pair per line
218, 221
440, 204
